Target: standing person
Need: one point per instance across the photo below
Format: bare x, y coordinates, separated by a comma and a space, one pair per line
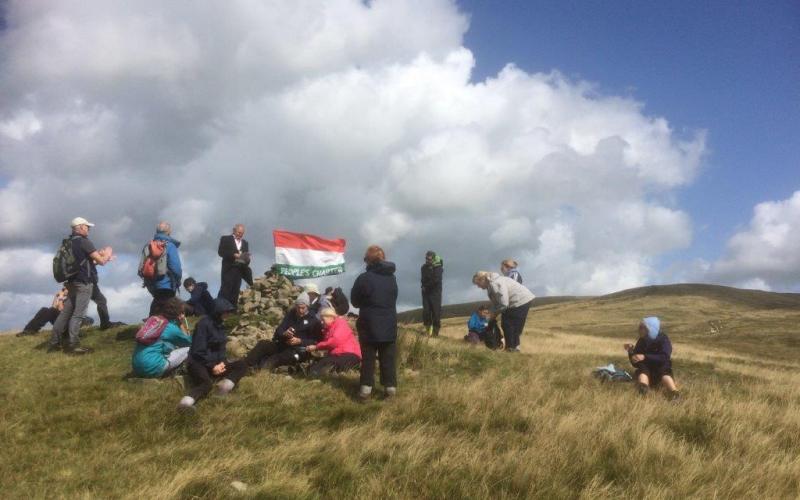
508, 268
375, 294
510, 299
431, 281
652, 358
102, 309
344, 352
235, 253
79, 289
45, 314
207, 360
165, 355
164, 287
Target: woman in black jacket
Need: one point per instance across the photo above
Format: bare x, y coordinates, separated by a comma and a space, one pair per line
375, 294
207, 358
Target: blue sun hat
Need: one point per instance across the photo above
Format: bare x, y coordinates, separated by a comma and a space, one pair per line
653, 325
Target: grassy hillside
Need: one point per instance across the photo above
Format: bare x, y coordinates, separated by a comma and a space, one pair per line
468, 423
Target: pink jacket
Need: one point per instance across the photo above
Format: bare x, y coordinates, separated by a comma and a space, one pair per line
339, 339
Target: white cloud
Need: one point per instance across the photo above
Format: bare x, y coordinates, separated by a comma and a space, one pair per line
346, 118
766, 254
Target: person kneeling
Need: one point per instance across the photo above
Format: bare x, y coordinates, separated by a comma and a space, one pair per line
298, 330
344, 353
477, 325
207, 358
162, 357
651, 356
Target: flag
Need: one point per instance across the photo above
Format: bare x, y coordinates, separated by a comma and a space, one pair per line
307, 256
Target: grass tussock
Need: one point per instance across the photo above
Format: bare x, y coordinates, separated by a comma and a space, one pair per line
467, 423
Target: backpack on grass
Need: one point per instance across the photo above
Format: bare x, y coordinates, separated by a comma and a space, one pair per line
151, 330
339, 301
153, 261
493, 338
65, 265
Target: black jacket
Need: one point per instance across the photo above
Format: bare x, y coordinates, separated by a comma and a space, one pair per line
431, 279
209, 338
375, 294
307, 328
657, 352
226, 250
201, 301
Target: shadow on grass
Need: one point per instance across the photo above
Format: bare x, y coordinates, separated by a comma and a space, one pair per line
127, 333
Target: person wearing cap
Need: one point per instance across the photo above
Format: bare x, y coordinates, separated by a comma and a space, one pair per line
652, 358
235, 253
431, 285
207, 360
298, 330
316, 302
79, 289
343, 351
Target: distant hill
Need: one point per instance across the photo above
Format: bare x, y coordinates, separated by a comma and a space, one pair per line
757, 299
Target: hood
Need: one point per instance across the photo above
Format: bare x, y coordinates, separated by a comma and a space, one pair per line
164, 236
222, 306
437, 261
653, 325
383, 267
202, 286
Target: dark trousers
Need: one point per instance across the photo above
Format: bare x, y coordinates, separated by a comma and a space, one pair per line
200, 380
432, 310
230, 284
333, 363
159, 298
102, 306
43, 316
386, 353
267, 354
513, 321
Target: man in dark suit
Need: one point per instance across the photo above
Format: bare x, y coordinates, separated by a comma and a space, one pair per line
235, 253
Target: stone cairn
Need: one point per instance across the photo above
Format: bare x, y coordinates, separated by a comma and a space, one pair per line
261, 309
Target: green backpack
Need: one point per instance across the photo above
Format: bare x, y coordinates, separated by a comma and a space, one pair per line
65, 266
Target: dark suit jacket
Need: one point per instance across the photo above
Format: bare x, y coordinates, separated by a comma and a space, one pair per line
227, 247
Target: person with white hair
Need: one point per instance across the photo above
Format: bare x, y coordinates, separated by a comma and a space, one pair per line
316, 301
235, 253
164, 287
79, 284
509, 298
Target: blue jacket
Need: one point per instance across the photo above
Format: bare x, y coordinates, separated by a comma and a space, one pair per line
375, 294
477, 323
150, 361
171, 280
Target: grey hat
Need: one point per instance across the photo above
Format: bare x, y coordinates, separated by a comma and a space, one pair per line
302, 299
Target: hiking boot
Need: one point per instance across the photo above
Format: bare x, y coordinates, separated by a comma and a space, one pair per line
642, 389
54, 348
513, 349
25, 333
390, 392
364, 393
78, 350
674, 397
112, 324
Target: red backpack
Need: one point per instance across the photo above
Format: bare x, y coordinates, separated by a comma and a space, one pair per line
151, 330
153, 261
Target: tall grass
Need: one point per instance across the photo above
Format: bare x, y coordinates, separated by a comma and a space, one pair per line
468, 423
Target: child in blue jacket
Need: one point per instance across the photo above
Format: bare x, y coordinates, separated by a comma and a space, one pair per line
477, 325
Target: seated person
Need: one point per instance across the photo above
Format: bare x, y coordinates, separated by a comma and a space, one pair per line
477, 325
201, 302
344, 353
651, 357
165, 355
298, 330
207, 361
45, 314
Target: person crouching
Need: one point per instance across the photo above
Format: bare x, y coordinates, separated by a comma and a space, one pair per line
344, 353
477, 325
207, 358
651, 356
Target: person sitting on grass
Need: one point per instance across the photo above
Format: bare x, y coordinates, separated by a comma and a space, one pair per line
344, 353
167, 354
207, 360
298, 330
477, 325
651, 356
201, 302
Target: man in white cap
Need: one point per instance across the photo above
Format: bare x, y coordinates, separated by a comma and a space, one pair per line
79, 288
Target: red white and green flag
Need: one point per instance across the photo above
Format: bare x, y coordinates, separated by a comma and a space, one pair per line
307, 256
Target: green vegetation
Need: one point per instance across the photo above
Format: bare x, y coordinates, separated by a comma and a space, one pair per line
467, 423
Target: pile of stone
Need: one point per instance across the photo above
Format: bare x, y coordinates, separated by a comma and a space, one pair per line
261, 309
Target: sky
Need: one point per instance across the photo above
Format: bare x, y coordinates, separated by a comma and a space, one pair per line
603, 145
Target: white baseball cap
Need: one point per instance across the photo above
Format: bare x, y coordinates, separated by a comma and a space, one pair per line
312, 288
80, 221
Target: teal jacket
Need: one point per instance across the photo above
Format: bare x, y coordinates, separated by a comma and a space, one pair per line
150, 361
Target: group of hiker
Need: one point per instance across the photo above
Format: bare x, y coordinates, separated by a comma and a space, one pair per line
312, 326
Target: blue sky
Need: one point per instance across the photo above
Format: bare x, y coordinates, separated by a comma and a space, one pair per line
730, 67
